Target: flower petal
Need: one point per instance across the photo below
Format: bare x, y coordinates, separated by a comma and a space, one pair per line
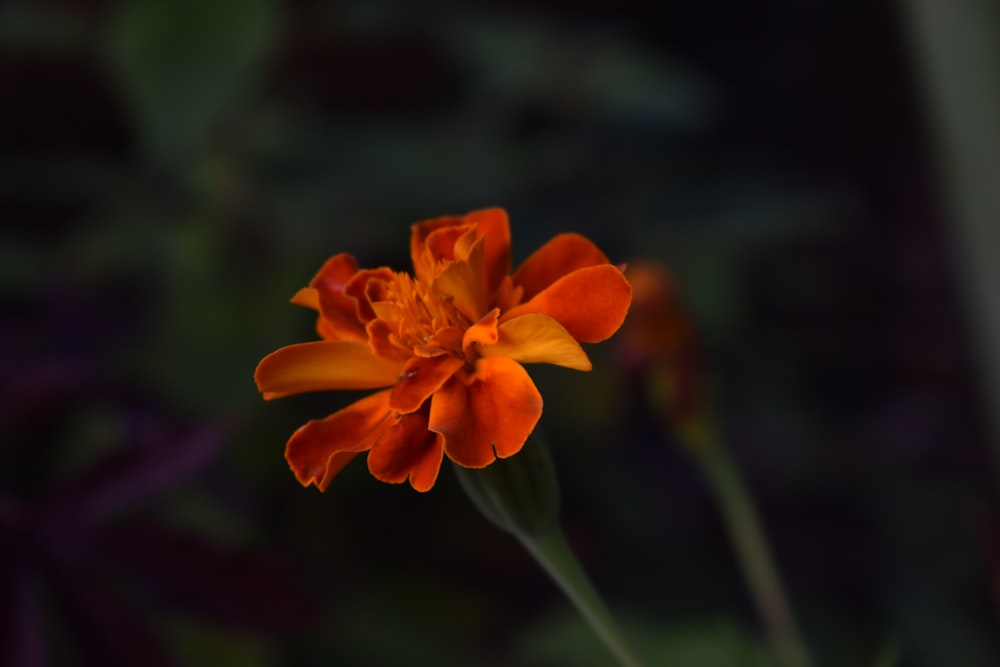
338, 320
484, 331
487, 414
323, 365
421, 377
562, 255
590, 303
462, 281
494, 226
536, 338
307, 297
321, 448
406, 449
491, 223
335, 273
361, 287
383, 338
339, 311
433, 241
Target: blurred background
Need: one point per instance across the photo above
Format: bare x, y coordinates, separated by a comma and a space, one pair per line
820, 177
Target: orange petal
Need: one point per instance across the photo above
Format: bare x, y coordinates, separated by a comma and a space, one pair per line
483, 332
462, 280
362, 285
432, 242
441, 242
444, 341
491, 223
487, 414
383, 337
335, 273
321, 448
563, 254
323, 365
494, 226
537, 339
307, 297
338, 314
325, 293
421, 377
339, 317
406, 449
590, 303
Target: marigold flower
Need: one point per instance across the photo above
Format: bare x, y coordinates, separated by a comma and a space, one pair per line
444, 346
659, 342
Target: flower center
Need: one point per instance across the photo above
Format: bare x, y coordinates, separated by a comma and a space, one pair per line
428, 322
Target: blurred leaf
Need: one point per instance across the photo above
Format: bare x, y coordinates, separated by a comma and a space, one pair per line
182, 62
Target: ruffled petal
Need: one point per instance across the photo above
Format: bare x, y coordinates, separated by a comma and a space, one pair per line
338, 311
339, 317
483, 332
335, 273
444, 341
433, 241
487, 414
562, 255
383, 337
591, 303
323, 365
462, 281
537, 339
421, 377
321, 448
491, 223
494, 227
406, 449
361, 287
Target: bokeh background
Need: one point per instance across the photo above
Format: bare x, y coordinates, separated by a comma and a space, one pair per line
819, 175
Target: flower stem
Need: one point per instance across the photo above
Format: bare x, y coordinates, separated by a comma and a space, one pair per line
745, 530
553, 553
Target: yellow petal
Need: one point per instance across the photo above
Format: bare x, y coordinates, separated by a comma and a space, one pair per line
323, 365
536, 338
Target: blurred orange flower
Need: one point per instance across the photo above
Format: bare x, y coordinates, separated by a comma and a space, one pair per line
659, 342
444, 346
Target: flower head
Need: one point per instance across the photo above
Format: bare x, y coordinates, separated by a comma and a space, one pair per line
444, 347
659, 343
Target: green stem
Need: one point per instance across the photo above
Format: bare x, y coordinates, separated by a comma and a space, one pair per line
553, 553
747, 535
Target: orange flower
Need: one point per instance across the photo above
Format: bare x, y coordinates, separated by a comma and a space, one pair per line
444, 346
659, 341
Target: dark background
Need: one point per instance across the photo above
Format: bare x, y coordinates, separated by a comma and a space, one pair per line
170, 174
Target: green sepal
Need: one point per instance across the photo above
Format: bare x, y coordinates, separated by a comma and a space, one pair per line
519, 494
